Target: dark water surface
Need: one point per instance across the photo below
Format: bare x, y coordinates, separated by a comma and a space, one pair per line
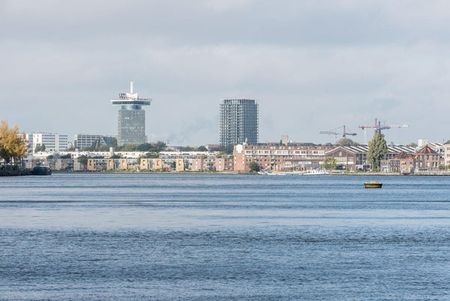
223, 237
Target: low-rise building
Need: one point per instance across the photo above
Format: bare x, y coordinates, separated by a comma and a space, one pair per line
96, 164
446, 155
427, 159
346, 158
157, 165
224, 163
197, 164
354, 158
144, 164
179, 165
279, 157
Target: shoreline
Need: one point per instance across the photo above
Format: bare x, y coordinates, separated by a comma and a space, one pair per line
367, 174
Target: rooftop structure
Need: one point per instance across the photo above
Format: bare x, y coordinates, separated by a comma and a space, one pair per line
131, 117
82, 141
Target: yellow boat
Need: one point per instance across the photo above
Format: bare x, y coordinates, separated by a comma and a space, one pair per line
373, 185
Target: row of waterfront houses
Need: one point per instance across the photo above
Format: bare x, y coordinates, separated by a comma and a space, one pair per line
288, 157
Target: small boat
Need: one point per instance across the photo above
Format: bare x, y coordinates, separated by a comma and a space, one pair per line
41, 171
270, 173
373, 185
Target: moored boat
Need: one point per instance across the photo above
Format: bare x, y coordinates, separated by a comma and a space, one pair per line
373, 184
41, 171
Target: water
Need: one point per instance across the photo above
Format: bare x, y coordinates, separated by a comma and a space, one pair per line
223, 237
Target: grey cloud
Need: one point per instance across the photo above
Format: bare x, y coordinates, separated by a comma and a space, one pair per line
214, 22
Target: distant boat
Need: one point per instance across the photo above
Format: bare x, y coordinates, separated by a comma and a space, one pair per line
41, 171
373, 185
270, 173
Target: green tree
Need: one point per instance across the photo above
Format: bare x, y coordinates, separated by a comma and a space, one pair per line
254, 167
83, 160
187, 148
145, 147
346, 142
377, 150
151, 155
39, 148
329, 164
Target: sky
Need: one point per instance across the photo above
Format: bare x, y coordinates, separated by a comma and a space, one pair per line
312, 65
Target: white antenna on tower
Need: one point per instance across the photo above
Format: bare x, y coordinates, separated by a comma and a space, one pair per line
131, 87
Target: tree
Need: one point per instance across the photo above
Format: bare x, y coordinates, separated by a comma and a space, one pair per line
145, 147
83, 160
329, 164
12, 147
254, 167
377, 150
346, 142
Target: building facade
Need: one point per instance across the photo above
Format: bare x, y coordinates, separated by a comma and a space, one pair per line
446, 155
278, 157
238, 122
131, 118
52, 142
427, 159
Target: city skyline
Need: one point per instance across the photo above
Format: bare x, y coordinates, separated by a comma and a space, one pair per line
312, 66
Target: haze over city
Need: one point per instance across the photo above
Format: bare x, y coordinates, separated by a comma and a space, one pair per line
311, 65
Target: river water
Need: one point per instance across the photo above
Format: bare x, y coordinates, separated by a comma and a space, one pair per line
223, 237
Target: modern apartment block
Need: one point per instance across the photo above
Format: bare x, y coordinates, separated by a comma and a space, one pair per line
238, 122
82, 141
52, 142
131, 118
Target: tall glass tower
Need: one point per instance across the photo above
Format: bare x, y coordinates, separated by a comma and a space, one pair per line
131, 118
238, 122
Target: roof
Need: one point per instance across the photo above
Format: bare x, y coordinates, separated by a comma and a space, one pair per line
363, 148
426, 150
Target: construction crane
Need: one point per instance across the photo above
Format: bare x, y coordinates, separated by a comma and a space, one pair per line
334, 132
378, 127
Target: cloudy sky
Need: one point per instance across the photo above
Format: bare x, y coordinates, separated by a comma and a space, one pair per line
312, 65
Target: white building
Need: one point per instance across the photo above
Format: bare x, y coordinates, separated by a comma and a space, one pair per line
52, 142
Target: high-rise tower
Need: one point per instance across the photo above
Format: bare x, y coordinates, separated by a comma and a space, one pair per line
238, 122
131, 118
